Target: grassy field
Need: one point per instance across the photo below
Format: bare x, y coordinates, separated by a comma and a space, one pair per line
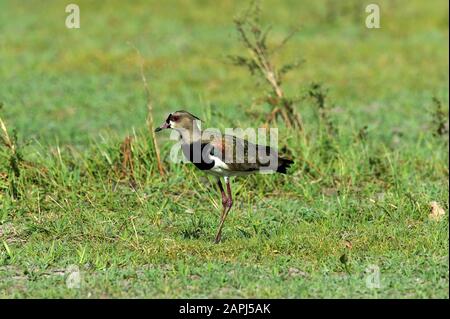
358, 196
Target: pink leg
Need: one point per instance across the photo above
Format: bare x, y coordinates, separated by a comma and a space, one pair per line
227, 204
222, 192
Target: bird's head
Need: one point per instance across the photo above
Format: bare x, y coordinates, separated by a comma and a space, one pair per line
180, 121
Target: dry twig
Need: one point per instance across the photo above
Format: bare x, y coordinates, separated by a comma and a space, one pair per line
260, 62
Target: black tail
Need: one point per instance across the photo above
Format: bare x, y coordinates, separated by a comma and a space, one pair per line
284, 164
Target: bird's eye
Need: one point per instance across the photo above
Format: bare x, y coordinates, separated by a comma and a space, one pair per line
175, 118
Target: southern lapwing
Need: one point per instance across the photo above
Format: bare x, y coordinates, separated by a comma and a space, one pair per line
222, 155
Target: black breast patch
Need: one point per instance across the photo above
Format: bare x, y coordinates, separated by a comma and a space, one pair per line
199, 154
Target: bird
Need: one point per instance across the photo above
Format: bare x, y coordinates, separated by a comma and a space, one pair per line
222, 156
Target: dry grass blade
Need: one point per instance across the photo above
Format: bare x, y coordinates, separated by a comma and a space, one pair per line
127, 159
150, 112
285, 40
6, 140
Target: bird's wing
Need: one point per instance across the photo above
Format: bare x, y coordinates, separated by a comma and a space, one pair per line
242, 155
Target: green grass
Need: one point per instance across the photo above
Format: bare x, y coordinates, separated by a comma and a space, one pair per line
72, 96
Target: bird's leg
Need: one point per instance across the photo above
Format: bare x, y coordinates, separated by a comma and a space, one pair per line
224, 208
224, 197
227, 206
230, 198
